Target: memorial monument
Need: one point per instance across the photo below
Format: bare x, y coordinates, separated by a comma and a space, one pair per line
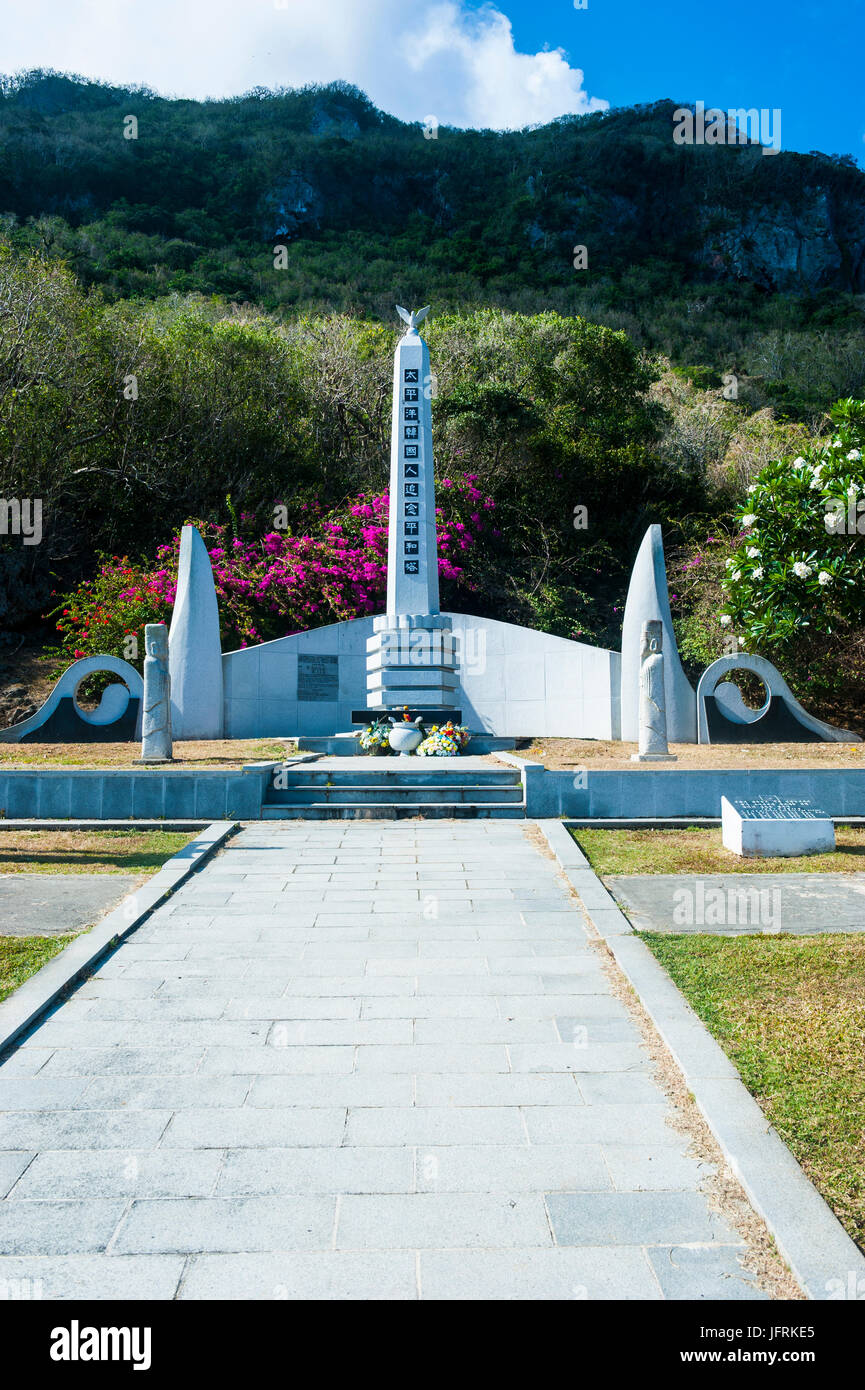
412, 655
653, 699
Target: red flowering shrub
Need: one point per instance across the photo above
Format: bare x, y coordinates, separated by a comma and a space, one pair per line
273, 584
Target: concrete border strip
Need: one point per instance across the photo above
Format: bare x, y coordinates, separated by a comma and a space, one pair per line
809, 1236
27, 1003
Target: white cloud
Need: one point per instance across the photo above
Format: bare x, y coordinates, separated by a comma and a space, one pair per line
413, 60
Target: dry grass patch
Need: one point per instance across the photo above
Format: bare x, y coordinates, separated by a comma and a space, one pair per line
88, 851
215, 753
569, 753
699, 850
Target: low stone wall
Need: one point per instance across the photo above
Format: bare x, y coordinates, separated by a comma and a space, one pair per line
100, 794
655, 793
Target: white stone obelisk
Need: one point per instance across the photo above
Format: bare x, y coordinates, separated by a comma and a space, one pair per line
194, 651
412, 556
411, 657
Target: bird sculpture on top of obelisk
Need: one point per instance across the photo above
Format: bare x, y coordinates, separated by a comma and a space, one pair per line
412, 559
412, 657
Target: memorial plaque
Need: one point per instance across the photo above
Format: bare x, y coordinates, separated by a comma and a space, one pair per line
411, 393
411, 567
411, 412
411, 508
317, 677
410, 528
411, 547
410, 451
775, 826
410, 374
412, 470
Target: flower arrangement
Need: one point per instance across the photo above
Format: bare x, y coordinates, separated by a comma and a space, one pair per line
374, 738
446, 741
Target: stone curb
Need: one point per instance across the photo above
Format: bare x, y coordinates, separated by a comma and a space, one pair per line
27, 1003
72, 824
808, 1235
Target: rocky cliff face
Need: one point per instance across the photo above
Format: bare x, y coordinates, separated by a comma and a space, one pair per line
811, 244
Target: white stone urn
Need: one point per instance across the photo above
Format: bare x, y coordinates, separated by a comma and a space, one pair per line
404, 738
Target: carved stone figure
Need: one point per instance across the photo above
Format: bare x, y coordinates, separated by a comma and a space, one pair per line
653, 700
156, 719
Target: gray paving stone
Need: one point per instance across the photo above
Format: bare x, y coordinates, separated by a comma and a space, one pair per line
499, 1088
619, 1088
628, 1218
75, 1277
270, 1172
512, 1168
427, 1220
40, 1093
124, 1061
556, 1056
249, 1127
323, 1275
433, 1125
502, 1030
600, 1124
371, 1089
685, 1272
653, 1168
231, 1224
163, 1092
227, 1061
69, 1173
331, 1032
561, 1275
426, 1057
437, 1007
12, 1165
57, 1228
82, 1129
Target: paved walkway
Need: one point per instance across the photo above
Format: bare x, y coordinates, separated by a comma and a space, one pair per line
353, 1059
51, 904
737, 904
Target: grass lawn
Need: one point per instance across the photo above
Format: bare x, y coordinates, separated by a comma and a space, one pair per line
88, 851
216, 753
697, 850
790, 1014
22, 956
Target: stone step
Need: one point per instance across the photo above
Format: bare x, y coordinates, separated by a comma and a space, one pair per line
396, 776
421, 794
382, 810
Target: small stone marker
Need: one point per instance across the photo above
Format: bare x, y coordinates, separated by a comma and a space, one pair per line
775, 826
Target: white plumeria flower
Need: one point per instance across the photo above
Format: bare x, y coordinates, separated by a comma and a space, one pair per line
799, 463
815, 482
758, 572
801, 570
726, 620
748, 519
824, 578
753, 552
752, 488
736, 576
854, 456
853, 490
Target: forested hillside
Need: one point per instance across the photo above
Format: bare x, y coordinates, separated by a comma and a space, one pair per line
716, 255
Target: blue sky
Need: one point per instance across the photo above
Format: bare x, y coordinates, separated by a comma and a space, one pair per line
808, 59
503, 64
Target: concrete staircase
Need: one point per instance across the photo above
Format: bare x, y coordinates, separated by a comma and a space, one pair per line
392, 788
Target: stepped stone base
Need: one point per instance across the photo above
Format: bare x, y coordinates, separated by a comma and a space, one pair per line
412, 660
393, 788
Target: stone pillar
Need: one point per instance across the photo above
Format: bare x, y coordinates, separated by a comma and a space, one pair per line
412, 657
653, 699
194, 648
156, 717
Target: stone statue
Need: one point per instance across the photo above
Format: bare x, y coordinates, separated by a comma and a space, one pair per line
156, 719
413, 319
653, 700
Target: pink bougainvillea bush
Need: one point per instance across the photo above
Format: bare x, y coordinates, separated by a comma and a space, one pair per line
329, 568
